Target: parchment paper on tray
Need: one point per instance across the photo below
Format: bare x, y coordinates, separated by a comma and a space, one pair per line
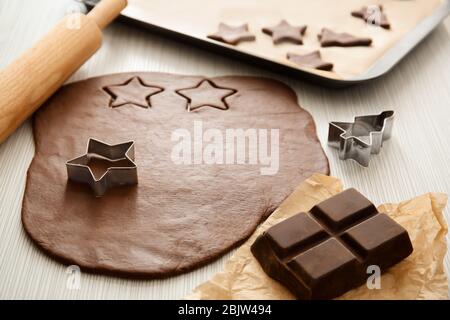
420, 276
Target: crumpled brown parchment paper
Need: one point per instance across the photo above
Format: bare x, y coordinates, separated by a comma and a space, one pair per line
420, 276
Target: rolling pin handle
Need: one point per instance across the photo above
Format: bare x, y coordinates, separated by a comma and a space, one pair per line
106, 11
33, 77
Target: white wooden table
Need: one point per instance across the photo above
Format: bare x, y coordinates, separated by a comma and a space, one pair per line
415, 161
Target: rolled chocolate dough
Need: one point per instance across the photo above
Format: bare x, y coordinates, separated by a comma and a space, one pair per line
179, 216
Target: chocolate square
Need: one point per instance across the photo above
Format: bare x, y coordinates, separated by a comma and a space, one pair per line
344, 209
378, 236
302, 231
323, 261
324, 253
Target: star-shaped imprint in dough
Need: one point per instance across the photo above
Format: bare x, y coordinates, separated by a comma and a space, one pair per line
310, 60
206, 94
133, 92
284, 32
329, 38
232, 35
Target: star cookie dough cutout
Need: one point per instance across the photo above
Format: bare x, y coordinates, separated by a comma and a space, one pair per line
330, 38
310, 60
133, 92
373, 15
232, 35
285, 32
206, 94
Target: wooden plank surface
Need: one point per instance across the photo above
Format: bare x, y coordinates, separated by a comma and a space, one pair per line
415, 161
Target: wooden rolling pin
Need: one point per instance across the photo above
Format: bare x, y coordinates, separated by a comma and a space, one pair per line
31, 79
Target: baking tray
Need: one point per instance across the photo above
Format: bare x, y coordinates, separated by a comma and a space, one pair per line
381, 66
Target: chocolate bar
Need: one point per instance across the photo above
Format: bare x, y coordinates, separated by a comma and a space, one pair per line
326, 252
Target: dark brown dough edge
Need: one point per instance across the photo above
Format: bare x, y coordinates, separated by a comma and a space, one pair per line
143, 275
161, 275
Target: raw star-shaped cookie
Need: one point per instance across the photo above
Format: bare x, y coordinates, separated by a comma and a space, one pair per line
232, 35
330, 38
310, 60
285, 32
373, 15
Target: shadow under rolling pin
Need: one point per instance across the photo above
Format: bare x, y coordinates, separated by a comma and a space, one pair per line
32, 78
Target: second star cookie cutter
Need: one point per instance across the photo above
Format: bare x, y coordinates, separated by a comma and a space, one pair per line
78, 169
361, 138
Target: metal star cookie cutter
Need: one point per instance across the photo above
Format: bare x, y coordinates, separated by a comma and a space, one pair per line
78, 169
363, 137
